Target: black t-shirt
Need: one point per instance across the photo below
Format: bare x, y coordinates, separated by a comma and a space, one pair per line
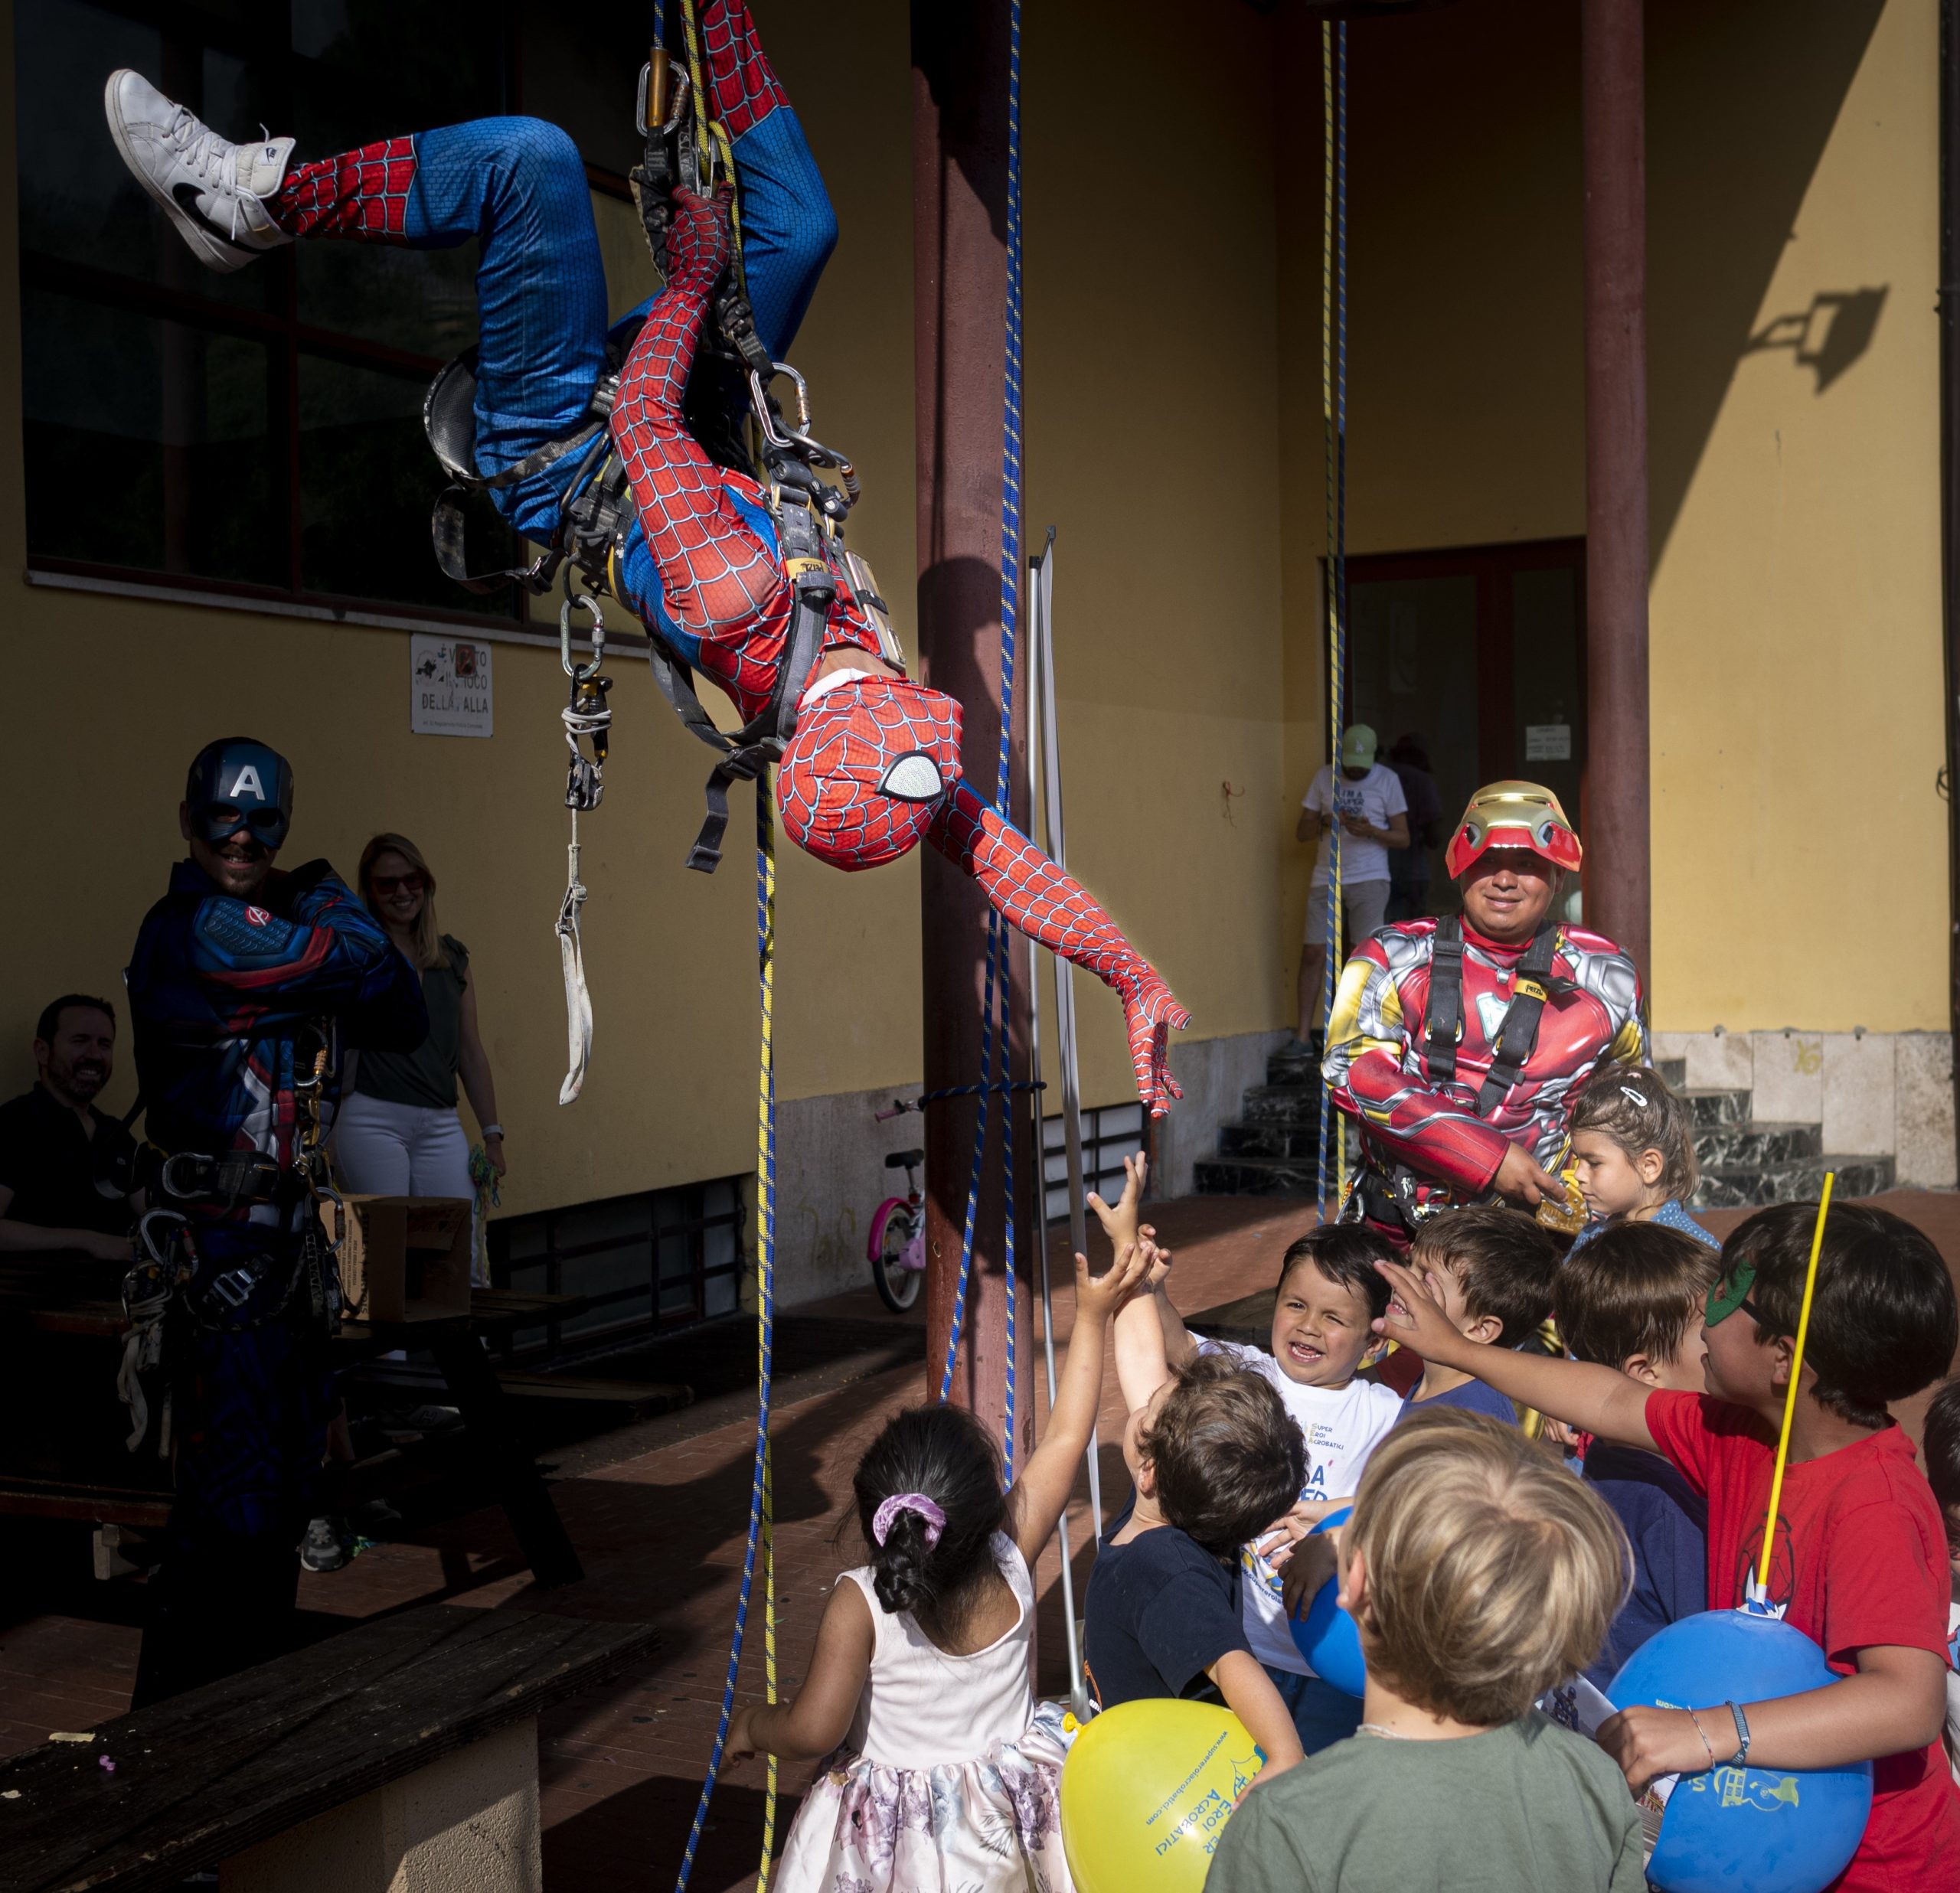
1160, 1611
53, 1169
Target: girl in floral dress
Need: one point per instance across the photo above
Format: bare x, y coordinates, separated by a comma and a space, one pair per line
940, 1771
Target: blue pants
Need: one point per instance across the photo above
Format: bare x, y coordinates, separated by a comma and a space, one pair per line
1322, 1715
518, 186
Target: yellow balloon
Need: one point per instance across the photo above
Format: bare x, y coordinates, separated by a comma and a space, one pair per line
1147, 1790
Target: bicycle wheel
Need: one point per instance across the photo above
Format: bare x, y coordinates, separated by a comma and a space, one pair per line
898, 1287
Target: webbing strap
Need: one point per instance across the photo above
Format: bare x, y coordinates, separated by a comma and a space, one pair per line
1444, 1027
1519, 1032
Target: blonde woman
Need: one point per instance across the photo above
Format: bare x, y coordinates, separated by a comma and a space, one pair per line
398, 1134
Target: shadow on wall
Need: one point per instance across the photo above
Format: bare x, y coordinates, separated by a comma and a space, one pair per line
1741, 99
1828, 337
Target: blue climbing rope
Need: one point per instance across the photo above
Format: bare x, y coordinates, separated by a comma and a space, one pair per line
761, 1544
1334, 379
998, 990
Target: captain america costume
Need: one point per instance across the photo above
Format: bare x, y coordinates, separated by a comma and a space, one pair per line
225, 995
701, 562
1376, 1069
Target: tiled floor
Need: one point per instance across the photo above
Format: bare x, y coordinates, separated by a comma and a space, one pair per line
660, 1530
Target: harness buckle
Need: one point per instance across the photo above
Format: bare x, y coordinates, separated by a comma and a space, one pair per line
235, 1288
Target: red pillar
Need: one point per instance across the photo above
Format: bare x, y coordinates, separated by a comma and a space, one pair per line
959, 117
1618, 894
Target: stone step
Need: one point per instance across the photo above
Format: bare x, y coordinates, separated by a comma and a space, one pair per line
1295, 1140
1754, 1146
1710, 1108
1283, 1104
1257, 1176
1293, 1064
1746, 1189
1674, 1072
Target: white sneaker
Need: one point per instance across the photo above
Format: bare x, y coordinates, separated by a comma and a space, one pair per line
212, 190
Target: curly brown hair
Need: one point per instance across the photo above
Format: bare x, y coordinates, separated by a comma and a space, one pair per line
1227, 1456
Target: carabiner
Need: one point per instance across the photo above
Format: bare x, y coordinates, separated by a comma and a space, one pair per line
578, 673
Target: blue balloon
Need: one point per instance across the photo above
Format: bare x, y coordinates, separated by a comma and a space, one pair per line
1745, 1830
1325, 1635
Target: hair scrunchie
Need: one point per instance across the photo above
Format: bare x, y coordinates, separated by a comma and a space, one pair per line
882, 1520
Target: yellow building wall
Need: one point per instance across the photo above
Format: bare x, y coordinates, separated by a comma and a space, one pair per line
1169, 663
1796, 670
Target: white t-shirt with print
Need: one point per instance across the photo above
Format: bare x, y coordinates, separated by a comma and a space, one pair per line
1342, 1426
1377, 798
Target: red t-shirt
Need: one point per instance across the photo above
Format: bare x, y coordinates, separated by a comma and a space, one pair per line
1860, 1559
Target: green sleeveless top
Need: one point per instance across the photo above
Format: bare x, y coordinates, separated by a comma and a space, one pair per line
427, 1075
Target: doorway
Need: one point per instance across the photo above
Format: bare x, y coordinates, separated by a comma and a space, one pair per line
1476, 659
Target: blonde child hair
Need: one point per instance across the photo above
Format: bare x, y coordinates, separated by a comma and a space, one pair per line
1635, 1106
1492, 1573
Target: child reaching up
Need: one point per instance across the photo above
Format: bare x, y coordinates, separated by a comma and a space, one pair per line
1633, 1148
941, 1771
1329, 1293
1214, 1459
1860, 1561
1480, 1574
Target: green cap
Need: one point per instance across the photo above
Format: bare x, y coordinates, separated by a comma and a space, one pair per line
1357, 747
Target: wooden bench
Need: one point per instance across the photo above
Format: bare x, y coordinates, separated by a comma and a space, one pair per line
399, 1757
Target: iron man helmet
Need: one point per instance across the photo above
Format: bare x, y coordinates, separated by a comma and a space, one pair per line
1513, 815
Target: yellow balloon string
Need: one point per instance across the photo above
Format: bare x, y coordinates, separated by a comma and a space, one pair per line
1760, 1584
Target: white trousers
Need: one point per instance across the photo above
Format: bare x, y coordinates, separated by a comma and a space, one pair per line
383, 1149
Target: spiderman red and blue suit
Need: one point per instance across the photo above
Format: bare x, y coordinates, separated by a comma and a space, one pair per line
226, 997
702, 564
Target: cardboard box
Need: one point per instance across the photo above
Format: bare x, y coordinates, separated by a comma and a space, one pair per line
402, 1259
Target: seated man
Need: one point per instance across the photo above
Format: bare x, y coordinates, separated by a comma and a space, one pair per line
710, 558
1460, 1044
65, 1167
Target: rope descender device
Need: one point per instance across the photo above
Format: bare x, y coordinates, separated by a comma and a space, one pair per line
588, 719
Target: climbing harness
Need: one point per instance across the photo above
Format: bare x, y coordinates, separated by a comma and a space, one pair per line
997, 980
1532, 987
1333, 418
149, 1291
588, 720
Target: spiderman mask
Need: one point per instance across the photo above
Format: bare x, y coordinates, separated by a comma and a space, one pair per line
870, 763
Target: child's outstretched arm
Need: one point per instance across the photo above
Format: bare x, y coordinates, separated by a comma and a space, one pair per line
1142, 1354
1047, 1479
1600, 1400
1895, 1704
1249, 1695
818, 1717
1143, 1358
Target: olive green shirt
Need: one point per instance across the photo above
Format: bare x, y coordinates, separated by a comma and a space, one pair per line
1526, 1807
425, 1077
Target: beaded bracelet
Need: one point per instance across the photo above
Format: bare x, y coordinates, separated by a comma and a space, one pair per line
1704, 1734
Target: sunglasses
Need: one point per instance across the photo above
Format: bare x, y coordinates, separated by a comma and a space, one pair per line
402, 883
1730, 1294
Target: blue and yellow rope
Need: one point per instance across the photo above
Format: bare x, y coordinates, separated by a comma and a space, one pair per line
1334, 416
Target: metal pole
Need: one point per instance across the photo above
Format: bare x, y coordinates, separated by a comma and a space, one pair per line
1046, 793
1618, 891
959, 89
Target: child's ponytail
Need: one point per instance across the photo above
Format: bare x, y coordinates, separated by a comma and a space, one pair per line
929, 1504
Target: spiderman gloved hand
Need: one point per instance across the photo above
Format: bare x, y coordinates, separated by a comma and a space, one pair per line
1151, 1012
697, 238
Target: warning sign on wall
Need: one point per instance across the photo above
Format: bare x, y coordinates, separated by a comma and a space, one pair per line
449, 693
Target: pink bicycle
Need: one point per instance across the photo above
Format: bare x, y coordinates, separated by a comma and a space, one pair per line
896, 1248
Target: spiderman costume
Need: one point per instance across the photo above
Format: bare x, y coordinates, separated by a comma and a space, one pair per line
874, 765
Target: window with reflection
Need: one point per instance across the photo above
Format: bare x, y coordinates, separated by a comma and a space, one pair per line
260, 431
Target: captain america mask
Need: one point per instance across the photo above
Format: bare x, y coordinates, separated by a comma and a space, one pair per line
237, 783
